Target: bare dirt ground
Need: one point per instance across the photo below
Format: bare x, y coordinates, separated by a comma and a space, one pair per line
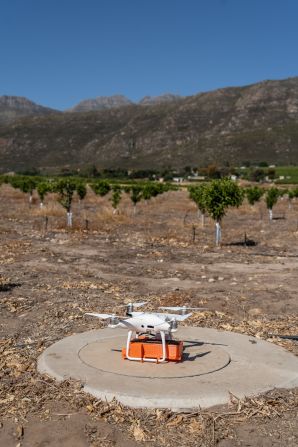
49, 277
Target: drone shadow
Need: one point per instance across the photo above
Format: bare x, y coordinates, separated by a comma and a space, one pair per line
201, 343
190, 358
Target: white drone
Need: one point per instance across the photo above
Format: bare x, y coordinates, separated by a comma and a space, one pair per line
154, 324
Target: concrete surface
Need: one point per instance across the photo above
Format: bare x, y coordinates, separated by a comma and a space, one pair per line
216, 363
200, 359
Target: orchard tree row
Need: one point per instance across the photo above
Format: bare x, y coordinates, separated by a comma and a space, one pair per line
217, 196
66, 188
213, 198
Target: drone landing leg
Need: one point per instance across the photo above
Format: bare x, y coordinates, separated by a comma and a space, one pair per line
129, 335
164, 348
144, 359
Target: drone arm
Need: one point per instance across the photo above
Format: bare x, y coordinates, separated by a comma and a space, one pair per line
183, 317
101, 316
168, 317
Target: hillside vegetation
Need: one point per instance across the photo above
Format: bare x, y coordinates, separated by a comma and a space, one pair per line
227, 126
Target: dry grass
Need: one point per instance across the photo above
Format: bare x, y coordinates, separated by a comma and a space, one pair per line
41, 303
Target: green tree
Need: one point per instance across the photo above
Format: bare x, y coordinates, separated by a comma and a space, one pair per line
116, 197
102, 187
136, 194
291, 195
197, 194
27, 185
213, 172
65, 189
43, 188
219, 195
271, 199
81, 190
151, 189
32, 184
253, 194
271, 173
257, 175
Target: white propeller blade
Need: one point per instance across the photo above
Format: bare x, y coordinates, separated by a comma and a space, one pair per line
182, 317
139, 304
134, 304
168, 317
102, 316
162, 323
127, 324
177, 308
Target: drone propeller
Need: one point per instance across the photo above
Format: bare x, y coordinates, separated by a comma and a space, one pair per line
130, 306
114, 320
102, 316
134, 304
165, 316
127, 324
181, 308
176, 317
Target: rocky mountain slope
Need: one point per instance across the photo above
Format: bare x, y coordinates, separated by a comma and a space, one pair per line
153, 100
116, 101
14, 107
101, 103
257, 123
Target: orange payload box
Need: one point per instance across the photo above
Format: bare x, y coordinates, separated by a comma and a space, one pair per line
143, 348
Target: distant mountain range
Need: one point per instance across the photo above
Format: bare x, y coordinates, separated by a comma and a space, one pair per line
14, 107
254, 123
115, 101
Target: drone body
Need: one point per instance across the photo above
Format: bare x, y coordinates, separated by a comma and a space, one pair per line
153, 333
139, 322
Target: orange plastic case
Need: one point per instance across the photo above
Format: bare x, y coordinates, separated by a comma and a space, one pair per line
152, 349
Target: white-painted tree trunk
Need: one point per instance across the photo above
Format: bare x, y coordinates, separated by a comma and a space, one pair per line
270, 215
203, 220
217, 233
69, 219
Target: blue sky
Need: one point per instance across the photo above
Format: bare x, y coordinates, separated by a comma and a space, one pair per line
58, 52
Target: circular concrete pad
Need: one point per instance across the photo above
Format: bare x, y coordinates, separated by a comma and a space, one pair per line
198, 358
215, 363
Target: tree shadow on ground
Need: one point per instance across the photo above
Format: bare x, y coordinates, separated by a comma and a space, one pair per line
7, 287
246, 242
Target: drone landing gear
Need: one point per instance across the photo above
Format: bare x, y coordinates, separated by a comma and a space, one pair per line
147, 349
